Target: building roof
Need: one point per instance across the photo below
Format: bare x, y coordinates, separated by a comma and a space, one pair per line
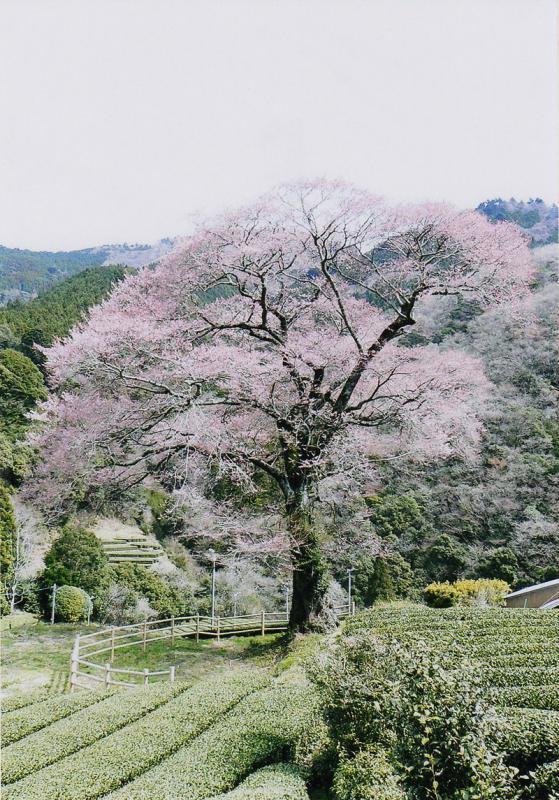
535, 588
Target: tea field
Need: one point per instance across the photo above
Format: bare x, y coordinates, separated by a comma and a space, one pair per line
244, 734
517, 653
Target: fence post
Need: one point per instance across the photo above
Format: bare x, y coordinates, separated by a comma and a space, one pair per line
146, 677
145, 634
74, 666
263, 621
172, 674
197, 627
173, 630
112, 645
218, 628
107, 675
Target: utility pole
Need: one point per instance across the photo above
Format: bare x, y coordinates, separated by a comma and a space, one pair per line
53, 604
350, 572
213, 555
89, 608
287, 601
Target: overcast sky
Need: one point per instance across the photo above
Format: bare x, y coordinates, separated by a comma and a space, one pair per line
122, 118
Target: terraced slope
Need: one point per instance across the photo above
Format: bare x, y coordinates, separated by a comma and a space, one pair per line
126, 544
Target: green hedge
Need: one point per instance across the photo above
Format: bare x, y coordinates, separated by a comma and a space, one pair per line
81, 729
16, 701
276, 782
466, 592
262, 728
128, 752
31, 718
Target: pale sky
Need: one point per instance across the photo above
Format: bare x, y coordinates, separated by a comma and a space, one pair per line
122, 118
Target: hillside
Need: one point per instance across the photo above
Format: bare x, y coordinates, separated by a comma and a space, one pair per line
54, 312
536, 217
24, 273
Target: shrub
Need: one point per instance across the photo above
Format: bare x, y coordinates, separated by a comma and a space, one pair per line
263, 727
71, 604
166, 600
23, 721
441, 595
423, 707
124, 754
367, 776
75, 558
276, 782
466, 592
81, 729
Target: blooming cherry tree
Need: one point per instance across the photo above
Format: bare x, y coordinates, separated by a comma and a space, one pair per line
272, 342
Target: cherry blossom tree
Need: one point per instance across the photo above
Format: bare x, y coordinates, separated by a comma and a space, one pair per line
272, 343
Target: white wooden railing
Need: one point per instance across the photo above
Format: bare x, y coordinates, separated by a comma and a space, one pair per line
87, 647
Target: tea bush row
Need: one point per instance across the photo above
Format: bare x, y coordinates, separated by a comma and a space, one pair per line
262, 728
276, 782
31, 718
21, 699
528, 737
521, 676
515, 650
527, 696
81, 729
128, 752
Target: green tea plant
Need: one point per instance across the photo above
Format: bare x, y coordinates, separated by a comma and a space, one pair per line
275, 782
127, 753
262, 728
82, 728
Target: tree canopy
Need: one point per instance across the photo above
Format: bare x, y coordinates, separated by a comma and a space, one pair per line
273, 342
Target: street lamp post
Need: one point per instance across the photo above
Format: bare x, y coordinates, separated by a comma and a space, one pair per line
235, 596
350, 572
213, 555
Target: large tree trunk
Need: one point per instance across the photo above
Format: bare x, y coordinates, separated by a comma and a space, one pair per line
310, 580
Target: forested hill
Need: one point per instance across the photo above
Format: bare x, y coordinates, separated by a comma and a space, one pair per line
26, 272
41, 320
53, 313
535, 216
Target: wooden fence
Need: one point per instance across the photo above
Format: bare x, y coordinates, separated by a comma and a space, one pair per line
87, 647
